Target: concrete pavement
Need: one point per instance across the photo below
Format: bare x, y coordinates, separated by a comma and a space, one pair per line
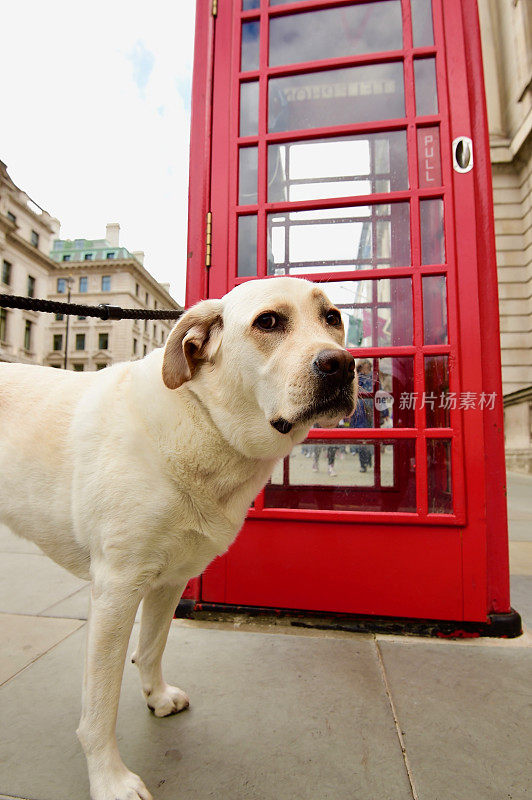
276, 713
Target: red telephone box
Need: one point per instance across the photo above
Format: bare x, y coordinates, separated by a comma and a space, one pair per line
345, 141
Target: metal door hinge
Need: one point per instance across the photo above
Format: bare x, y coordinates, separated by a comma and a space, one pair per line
208, 239
214, 8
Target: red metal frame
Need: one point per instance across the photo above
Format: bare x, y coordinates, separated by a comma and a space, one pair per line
458, 559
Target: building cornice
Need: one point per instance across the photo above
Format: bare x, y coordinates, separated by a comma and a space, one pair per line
114, 265
505, 151
519, 396
28, 249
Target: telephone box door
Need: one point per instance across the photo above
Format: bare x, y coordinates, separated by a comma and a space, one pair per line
323, 148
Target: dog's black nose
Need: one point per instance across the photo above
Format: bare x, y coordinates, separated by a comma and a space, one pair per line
336, 366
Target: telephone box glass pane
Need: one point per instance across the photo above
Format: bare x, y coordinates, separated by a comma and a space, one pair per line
422, 31
429, 160
346, 475
384, 388
250, 46
247, 246
247, 175
426, 91
376, 313
339, 239
432, 232
247, 5
436, 399
440, 498
336, 97
336, 32
338, 167
434, 310
249, 108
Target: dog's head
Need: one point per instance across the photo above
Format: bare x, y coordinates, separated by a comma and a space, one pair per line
268, 358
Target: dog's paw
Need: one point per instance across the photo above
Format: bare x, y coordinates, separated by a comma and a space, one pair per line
125, 786
166, 701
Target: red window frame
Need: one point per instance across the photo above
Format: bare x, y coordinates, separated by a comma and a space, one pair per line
225, 243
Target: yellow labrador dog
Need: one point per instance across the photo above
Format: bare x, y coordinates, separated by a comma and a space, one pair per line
137, 476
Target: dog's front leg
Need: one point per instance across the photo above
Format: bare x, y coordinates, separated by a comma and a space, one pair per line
157, 612
111, 618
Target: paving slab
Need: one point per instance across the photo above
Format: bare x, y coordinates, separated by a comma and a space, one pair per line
76, 606
271, 718
10, 543
30, 582
25, 639
520, 558
465, 716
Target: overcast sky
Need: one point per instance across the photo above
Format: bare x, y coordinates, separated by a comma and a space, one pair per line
95, 110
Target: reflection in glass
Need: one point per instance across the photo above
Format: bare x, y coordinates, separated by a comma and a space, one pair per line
425, 81
422, 23
439, 486
346, 474
247, 175
250, 46
434, 310
436, 399
376, 313
247, 246
338, 167
249, 108
432, 232
336, 32
339, 239
339, 97
247, 5
383, 384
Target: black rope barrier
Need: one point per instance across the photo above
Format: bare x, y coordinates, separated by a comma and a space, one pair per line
103, 310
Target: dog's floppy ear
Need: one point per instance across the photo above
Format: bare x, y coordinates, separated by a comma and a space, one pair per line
194, 340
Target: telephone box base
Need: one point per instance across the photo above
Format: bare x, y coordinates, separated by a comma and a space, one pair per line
506, 626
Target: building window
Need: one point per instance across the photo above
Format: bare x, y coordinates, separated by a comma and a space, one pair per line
27, 335
134, 346
100, 366
58, 341
89, 256
59, 317
6, 273
78, 367
103, 341
110, 256
155, 331
147, 298
145, 326
106, 283
137, 289
31, 286
80, 341
162, 336
3, 325
66, 258
11, 217
145, 350
155, 304
35, 238
61, 285
82, 318
83, 284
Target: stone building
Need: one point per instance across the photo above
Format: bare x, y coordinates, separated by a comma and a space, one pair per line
103, 271
506, 29
26, 235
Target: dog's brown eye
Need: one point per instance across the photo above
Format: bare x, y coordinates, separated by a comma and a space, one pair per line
267, 322
333, 317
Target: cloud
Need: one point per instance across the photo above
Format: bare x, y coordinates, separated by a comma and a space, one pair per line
96, 118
